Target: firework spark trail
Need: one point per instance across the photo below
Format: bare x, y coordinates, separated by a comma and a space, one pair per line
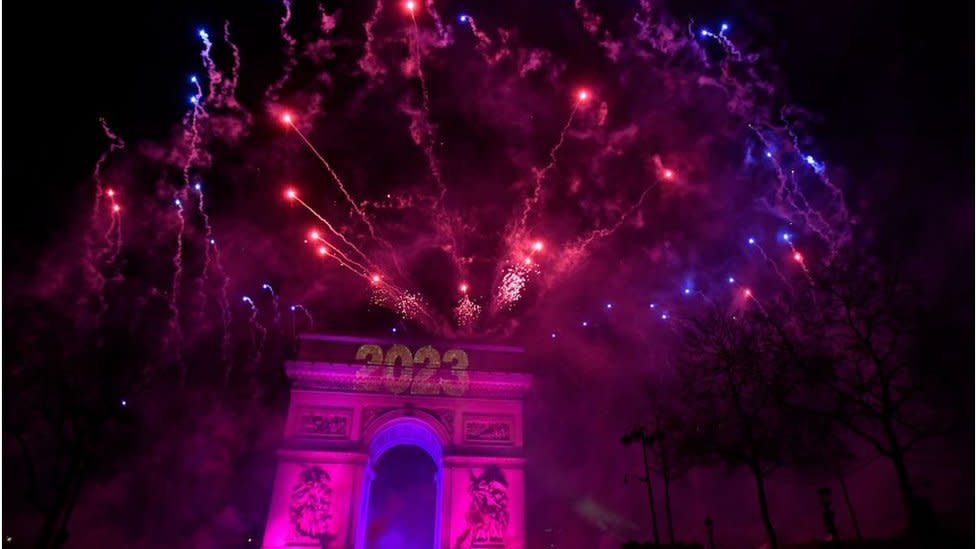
342, 187
801, 261
368, 62
373, 267
750, 296
115, 143
727, 46
229, 91
214, 77
705, 297
93, 250
222, 91
576, 252
661, 37
591, 24
540, 175
114, 236
308, 315
466, 312
772, 264
342, 258
428, 126
513, 284
408, 305
290, 60
443, 33
224, 303
256, 330
211, 258
274, 301
750, 93
93, 264
191, 139
428, 139
514, 279
372, 67
118, 238
385, 293
788, 192
745, 104
820, 168
176, 330
394, 297
591, 21
785, 193
339, 259
812, 217
207, 229
191, 133
447, 226
484, 44
332, 229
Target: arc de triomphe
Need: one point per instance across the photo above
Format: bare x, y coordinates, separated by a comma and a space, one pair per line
352, 399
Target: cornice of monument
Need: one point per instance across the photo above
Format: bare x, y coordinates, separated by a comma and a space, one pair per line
341, 377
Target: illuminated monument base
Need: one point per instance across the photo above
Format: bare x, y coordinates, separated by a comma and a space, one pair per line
354, 399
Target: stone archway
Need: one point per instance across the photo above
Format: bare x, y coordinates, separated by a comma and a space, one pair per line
354, 399
402, 431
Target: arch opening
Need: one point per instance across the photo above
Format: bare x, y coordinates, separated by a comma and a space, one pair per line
402, 496
402, 500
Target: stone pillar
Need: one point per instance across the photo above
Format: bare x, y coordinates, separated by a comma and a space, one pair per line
487, 502
365, 485
314, 497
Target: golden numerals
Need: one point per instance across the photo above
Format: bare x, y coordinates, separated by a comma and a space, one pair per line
398, 384
458, 360
426, 381
425, 384
365, 378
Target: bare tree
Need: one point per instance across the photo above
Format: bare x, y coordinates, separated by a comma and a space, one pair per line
737, 385
669, 451
642, 436
66, 395
868, 374
671, 460
72, 368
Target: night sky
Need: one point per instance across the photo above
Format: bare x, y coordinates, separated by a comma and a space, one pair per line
654, 190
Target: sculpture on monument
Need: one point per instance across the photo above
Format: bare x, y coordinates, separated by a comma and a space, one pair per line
353, 399
311, 500
487, 515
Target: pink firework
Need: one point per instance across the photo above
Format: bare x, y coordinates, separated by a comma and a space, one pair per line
467, 313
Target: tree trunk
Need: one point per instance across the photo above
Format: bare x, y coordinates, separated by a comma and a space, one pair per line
650, 492
916, 522
667, 507
764, 508
61, 535
47, 537
850, 505
897, 457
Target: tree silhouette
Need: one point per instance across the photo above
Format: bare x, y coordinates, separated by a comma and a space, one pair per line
671, 458
80, 372
737, 385
867, 375
70, 387
640, 435
669, 453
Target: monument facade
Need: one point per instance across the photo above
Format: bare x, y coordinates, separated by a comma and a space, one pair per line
353, 399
